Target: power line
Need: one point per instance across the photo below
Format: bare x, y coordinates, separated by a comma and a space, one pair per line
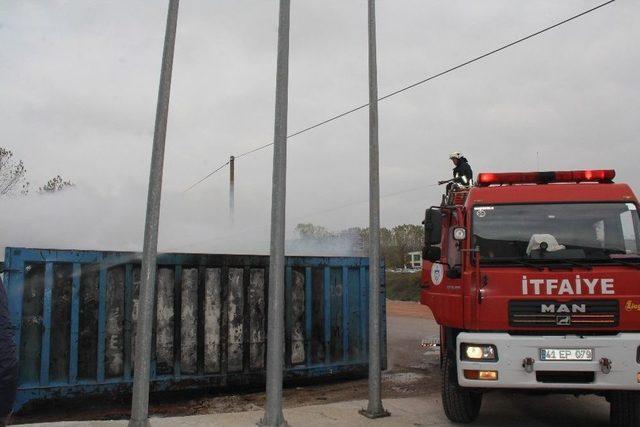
348, 205
418, 83
221, 166
497, 50
299, 217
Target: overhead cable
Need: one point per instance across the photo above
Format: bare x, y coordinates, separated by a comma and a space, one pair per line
413, 85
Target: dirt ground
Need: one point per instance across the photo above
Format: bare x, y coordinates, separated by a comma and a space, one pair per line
412, 370
408, 309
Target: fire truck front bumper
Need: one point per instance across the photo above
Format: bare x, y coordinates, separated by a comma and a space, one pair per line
501, 360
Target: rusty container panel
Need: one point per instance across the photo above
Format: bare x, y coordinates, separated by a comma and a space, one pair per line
75, 315
114, 328
88, 319
317, 351
212, 315
257, 319
164, 322
297, 313
32, 324
135, 301
235, 320
189, 322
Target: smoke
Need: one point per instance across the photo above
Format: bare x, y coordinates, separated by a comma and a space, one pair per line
339, 245
112, 219
79, 218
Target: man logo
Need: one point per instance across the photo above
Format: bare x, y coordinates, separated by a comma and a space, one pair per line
563, 320
563, 308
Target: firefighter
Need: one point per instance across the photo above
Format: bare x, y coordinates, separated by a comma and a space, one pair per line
462, 173
8, 361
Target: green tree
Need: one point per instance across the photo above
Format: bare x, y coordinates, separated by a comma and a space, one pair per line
406, 238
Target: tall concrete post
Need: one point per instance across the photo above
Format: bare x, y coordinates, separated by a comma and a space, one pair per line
273, 416
374, 409
141, 363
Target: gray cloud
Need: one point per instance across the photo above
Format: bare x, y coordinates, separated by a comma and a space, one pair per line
79, 85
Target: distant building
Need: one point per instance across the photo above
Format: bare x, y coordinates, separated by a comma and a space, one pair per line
415, 259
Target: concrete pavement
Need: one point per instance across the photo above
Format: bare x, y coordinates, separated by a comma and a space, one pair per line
498, 410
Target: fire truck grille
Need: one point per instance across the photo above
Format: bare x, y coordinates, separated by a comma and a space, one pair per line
564, 314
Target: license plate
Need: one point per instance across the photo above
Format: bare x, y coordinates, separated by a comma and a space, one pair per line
566, 354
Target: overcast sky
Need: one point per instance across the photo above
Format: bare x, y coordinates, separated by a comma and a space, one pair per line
78, 89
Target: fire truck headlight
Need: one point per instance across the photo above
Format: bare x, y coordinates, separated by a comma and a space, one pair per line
484, 352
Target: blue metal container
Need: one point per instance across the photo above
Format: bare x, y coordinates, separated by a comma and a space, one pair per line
75, 313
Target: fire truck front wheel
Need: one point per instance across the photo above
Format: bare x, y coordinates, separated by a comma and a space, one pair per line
460, 405
625, 409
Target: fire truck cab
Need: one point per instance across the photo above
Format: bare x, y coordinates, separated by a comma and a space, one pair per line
534, 279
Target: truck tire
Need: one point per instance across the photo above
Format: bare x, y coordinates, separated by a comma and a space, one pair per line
624, 409
460, 405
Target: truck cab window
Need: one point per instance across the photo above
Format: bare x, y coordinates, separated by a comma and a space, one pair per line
629, 222
599, 231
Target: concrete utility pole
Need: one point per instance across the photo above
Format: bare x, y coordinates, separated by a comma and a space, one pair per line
141, 364
375, 409
273, 416
232, 183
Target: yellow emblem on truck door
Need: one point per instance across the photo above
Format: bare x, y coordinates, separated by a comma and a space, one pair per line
632, 306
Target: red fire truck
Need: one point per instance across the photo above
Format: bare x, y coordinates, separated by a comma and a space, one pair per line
534, 279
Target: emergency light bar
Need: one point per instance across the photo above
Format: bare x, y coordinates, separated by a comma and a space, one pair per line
601, 175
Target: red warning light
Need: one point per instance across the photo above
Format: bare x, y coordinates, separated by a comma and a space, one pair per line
599, 175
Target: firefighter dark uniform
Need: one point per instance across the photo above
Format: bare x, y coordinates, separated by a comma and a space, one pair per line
462, 173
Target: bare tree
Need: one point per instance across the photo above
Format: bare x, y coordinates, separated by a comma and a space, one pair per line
12, 175
311, 231
55, 184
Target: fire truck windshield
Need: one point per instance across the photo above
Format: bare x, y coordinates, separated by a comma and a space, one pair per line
555, 232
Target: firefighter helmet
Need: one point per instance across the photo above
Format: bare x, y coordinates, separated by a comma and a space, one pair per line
455, 155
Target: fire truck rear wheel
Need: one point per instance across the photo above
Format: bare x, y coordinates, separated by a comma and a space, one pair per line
460, 405
624, 409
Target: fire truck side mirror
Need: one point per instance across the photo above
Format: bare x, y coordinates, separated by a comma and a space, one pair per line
431, 253
432, 227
